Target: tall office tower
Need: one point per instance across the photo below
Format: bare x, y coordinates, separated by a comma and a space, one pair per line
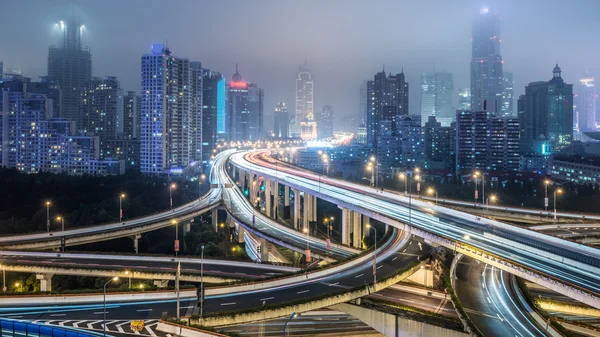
281, 120
308, 128
585, 103
325, 122
486, 63
196, 94
244, 109
71, 66
547, 118
213, 112
485, 142
436, 97
166, 120
401, 149
464, 99
101, 108
49, 87
305, 98
506, 109
1, 69
363, 104
385, 93
131, 115
440, 145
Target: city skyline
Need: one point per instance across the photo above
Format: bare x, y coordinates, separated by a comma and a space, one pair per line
416, 51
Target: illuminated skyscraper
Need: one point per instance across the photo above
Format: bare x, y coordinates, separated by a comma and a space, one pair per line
281, 120
308, 128
244, 119
71, 66
213, 111
436, 97
507, 108
585, 103
325, 122
464, 99
305, 98
486, 63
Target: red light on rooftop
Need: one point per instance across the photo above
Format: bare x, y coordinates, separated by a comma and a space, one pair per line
238, 84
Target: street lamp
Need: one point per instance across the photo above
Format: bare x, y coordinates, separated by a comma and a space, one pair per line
418, 180
20, 286
491, 198
476, 177
130, 274
48, 216
62, 220
174, 222
286, 323
200, 181
546, 183
403, 177
374, 259
171, 188
202, 281
557, 191
307, 246
3, 278
432, 191
375, 164
114, 279
121, 197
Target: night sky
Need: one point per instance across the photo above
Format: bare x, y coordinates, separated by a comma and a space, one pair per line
344, 42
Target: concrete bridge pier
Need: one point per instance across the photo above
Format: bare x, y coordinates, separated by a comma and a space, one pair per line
214, 217
136, 242
296, 208
45, 281
240, 236
352, 232
268, 196
366, 221
187, 227
264, 250
161, 283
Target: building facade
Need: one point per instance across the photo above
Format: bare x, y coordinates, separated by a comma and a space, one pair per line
305, 98
244, 121
325, 122
436, 97
281, 121
464, 99
585, 118
213, 112
440, 145
508, 99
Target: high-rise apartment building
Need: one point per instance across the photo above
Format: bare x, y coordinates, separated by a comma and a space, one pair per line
585, 106
485, 142
464, 99
71, 66
436, 97
244, 110
486, 63
281, 119
325, 122
169, 118
363, 104
196, 114
508, 99
547, 116
101, 108
387, 98
213, 112
440, 145
305, 98
401, 149
132, 107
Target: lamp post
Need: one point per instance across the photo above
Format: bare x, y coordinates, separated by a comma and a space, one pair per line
370, 169
201, 280
62, 221
200, 181
432, 191
171, 188
20, 286
476, 176
307, 231
286, 323
121, 197
374, 259
130, 274
176, 247
403, 177
491, 198
373, 162
546, 183
48, 216
557, 191
114, 279
3, 278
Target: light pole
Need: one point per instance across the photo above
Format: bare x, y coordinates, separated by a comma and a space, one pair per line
307, 231
374, 259
130, 274
476, 176
370, 169
286, 323
171, 188
418, 180
48, 216
557, 191
491, 198
201, 280
3, 278
121, 197
200, 181
403, 177
20, 286
62, 220
546, 183
176, 247
114, 279
432, 191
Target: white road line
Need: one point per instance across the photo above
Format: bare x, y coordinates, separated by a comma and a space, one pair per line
359, 275
394, 259
189, 306
302, 292
91, 325
120, 328
144, 310
150, 331
231, 303
334, 284
379, 266
76, 324
99, 312
58, 315
266, 299
62, 323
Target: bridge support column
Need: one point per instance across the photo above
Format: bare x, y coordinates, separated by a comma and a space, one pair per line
214, 218
275, 199
356, 230
307, 211
45, 281
268, 194
136, 242
241, 231
161, 283
366, 221
296, 208
187, 227
286, 195
314, 208
347, 219
264, 250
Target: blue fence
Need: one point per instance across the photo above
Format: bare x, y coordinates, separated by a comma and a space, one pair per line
13, 328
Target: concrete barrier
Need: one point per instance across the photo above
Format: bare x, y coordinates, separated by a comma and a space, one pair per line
271, 313
392, 325
184, 331
539, 320
553, 306
96, 298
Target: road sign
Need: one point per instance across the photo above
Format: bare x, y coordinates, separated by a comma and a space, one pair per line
176, 245
137, 325
307, 255
328, 244
62, 242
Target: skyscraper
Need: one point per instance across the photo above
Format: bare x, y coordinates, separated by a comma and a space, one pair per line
1, 69
436, 97
547, 117
281, 120
325, 122
167, 119
464, 99
308, 128
305, 98
131, 115
196, 95
508, 98
440, 145
213, 111
244, 119
71, 66
486, 63
585, 103
387, 100
363, 104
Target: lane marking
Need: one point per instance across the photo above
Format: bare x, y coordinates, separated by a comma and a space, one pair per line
380, 266
334, 284
144, 310
266, 299
231, 303
302, 292
58, 315
359, 275
394, 259
150, 331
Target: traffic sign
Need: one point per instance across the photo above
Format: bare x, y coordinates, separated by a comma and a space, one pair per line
137, 325
176, 245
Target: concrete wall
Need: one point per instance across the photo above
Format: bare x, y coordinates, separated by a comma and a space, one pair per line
183, 331
26, 300
391, 325
552, 306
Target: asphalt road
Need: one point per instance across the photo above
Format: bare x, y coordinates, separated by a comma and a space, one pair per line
434, 304
488, 300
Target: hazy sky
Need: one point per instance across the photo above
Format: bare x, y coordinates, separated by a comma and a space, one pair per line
344, 42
